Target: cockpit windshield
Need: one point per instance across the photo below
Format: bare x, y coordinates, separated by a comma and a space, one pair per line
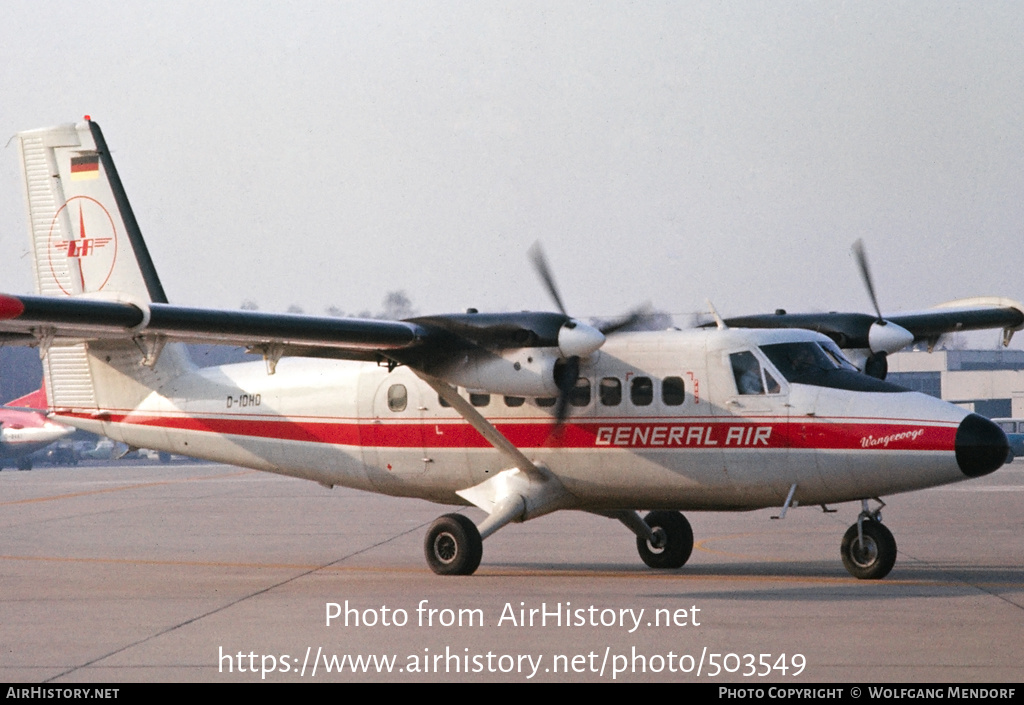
822, 365
797, 360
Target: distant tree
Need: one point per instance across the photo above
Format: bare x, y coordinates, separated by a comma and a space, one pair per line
397, 306
295, 308
250, 305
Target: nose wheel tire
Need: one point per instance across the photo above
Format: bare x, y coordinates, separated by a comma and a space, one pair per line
873, 558
673, 540
453, 546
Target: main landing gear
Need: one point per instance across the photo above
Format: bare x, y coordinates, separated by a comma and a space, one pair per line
664, 539
453, 545
868, 548
671, 541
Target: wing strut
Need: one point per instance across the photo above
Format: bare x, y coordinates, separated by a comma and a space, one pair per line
486, 429
524, 491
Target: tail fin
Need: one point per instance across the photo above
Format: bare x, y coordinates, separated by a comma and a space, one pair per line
33, 400
85, 237
86, 242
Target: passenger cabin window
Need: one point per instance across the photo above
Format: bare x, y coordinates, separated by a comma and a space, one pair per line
641, 391
398, 397
580, 394
610, 391
479, 399
442, 402
514, 401
546, 401
673, 391
747, 372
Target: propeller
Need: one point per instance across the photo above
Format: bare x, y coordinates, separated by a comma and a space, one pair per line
540, 263
567, 373
884, 337
865, 275
576, 339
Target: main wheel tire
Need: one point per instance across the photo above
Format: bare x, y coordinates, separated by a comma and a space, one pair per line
453, 546
875, 558
24, 464
678, 540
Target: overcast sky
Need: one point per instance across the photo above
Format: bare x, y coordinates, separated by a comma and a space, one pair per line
323, 153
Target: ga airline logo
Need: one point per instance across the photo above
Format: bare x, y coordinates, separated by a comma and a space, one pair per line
85, 261
83, 247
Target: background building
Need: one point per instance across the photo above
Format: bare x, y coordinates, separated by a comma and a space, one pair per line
989, 382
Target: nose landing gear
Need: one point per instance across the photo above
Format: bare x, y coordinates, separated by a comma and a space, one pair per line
868, 548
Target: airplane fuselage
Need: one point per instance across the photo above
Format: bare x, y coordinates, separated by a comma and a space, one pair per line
659, 423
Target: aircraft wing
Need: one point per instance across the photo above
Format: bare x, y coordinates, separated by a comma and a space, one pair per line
32, 320
963, 315
851, 330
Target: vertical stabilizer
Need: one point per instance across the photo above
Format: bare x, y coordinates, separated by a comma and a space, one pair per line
86, 242
85, 237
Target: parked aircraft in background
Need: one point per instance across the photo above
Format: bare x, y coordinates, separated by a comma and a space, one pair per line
518, 414
23, 431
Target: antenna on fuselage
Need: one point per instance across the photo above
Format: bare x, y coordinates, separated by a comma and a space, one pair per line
718, 319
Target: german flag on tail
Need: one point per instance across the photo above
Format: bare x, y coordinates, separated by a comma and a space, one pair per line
87, 167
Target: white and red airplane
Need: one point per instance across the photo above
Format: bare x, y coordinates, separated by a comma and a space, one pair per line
24, 431
519, 414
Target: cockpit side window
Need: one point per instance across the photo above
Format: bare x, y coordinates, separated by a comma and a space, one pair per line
747, 372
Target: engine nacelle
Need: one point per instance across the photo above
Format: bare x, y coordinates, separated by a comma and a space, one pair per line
521, 372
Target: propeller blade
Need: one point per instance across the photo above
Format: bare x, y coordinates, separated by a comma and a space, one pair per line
540, 263
865, 274
631, 319
884, 337
566, 375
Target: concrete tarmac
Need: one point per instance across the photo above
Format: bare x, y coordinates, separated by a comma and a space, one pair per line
203, 572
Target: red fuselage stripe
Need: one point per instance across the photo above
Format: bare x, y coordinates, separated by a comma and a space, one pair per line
673, 435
